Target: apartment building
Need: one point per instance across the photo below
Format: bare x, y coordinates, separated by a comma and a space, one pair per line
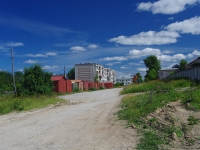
126, 81
89, 71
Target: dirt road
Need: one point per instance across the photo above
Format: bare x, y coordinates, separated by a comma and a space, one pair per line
89, 124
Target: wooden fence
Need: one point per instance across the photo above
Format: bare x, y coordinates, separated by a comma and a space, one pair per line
192, 73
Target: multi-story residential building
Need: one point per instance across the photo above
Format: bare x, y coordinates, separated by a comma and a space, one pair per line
126, 81
90, 71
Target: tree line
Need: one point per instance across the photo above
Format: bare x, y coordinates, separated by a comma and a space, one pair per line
153, 66
32, 81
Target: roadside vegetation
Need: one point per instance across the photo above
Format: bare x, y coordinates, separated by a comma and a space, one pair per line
143, 99
10, 103
33, 90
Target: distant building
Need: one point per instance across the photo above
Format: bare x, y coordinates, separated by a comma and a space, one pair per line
126, 81
90, 71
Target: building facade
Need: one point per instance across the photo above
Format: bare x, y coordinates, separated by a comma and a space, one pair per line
125, 81
92, 72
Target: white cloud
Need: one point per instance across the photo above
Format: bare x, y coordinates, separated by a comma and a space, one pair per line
50, 67
170, 18
173, 58
93, 46
51, 54
166, 6
167, 52
77, 48
111, 64
125, 67
145, 52
12, 44
134, 64
187, 26
193, 54
36, 55
121, 58
147, 38
142, 69
30, 61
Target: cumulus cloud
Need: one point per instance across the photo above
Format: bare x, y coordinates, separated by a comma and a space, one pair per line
121, 58
50, 67
147, 38
167, 52
36, 55
30, 61
51, 54
145, 52
142, 69
111, 64
13, 44
125, 67
93, 46
187, 26
134, 64
170, 18
194, 54
173, 58
166, 6
77, 48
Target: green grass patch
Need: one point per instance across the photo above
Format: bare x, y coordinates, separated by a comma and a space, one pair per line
155, 95
151, 141
157, 85
192, 97
136, 107
11, 103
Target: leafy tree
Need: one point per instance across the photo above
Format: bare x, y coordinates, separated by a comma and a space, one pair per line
153, 66
36, 81
6, 82
139, 76
151, 74
71, 74
19, 79
182, 64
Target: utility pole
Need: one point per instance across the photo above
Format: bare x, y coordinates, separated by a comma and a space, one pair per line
13, 74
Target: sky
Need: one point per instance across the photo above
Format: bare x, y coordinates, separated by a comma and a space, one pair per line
118, 34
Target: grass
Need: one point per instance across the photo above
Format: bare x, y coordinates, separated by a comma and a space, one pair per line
136, 107
157, 85
155, 95
11, 103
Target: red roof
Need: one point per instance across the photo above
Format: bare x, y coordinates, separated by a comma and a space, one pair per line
56, 78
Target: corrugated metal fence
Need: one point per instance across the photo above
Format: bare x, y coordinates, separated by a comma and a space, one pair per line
192, 73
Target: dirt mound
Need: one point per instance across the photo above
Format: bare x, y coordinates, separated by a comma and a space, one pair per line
185, 122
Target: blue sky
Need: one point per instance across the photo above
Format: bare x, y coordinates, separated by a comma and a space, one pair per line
117, 34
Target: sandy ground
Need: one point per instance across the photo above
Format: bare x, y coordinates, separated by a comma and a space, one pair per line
88, 124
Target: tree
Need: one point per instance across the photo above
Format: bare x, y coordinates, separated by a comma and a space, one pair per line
182, 64
139, 76
36, 81
6, 82
153, 66
71, 74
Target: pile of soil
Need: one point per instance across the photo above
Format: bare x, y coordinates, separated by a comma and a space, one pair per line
176, 115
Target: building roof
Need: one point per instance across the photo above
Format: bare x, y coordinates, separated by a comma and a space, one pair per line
56, 78
168, 69
193, 61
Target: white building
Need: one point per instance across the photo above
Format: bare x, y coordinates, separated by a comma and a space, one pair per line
89, 71
126, 81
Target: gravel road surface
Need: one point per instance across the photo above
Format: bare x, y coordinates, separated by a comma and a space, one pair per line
88, 123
